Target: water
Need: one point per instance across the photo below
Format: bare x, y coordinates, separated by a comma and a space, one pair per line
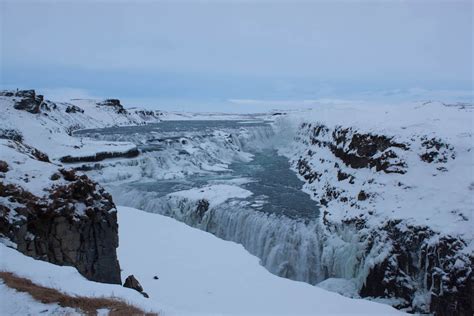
276, 189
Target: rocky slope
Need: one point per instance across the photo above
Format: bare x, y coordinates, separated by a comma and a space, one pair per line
395, 185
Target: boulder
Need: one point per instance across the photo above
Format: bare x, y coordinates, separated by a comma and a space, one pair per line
132, 283
28, 101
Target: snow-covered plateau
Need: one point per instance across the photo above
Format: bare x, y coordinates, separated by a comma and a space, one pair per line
367, 200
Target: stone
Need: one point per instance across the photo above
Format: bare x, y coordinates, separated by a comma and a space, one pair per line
3, 166
362, 196
132, 283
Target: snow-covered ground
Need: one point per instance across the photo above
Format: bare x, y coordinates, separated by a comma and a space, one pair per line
20, 303
199, 274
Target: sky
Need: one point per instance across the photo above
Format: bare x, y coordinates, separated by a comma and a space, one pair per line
221, 55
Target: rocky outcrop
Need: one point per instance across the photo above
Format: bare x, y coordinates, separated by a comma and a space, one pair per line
74, 223
74, 109
114, 104
27, 100
101, 156
360, 150
132, 283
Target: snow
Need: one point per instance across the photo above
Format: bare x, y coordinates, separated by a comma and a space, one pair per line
31, 174
199, 274
19, 303
48, 130
215, 194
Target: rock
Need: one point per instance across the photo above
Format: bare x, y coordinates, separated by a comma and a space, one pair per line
362, 196
115, 104
3, 166
436, 151
74, 109
26, 93
55, 176
134, 152
416, 263
132, 283
69, 175
202, 208
28, 101
155, 277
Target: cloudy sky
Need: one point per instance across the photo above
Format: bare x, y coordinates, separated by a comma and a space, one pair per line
198, 55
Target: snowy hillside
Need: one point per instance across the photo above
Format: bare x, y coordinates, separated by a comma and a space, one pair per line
48, 126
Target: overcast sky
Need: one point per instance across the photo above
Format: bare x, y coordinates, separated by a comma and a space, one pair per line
207, 52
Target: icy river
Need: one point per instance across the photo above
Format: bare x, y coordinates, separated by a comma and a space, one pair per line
277, 221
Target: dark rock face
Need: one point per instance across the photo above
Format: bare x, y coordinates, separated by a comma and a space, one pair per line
304, 169
115, 104
202, 208
132, 283
415, 263
74, 224
28, 100
3, 166
358, 150
101, 156
146, 114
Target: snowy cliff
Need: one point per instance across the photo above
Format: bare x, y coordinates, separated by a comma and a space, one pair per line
396, 189
52, 214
